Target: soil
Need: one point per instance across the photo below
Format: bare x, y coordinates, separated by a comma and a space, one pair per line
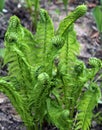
87, 35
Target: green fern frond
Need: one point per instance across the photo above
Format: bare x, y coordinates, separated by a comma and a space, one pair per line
86, 106
69, 51
39, 95
66, 30
70, 19
17, 35
83, 76
17, 100
44, 34
95, 66
57, 43
89, 74
67, 54
67, 59
19, 68
57, 115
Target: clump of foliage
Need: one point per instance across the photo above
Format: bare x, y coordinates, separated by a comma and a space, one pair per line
45, 80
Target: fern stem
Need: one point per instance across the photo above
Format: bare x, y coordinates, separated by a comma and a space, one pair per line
44, 49
67, 52
62, 77
64, 91
67, 71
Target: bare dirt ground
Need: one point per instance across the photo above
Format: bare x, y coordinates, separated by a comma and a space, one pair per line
87, 36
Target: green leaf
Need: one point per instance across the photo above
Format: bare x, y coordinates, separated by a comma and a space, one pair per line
97, 13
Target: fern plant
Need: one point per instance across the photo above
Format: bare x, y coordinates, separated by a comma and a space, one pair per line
45, 80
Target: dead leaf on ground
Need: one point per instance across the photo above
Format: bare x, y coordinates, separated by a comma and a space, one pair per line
95, 35
91, 5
